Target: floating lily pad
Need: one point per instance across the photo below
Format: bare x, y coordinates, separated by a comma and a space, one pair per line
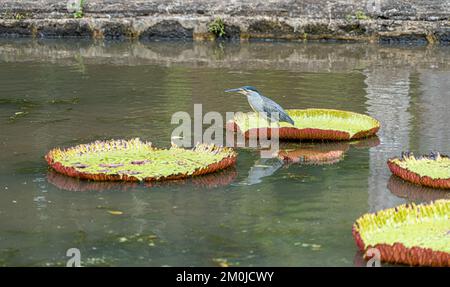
310, 124
115, 160
430, 170
408, 234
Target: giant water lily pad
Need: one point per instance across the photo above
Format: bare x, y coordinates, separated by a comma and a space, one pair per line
134, 160
311, 124
430, 170
408, 234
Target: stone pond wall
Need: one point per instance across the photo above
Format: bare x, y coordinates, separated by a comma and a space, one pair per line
384, 21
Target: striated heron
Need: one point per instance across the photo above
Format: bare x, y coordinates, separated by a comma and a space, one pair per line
260, 104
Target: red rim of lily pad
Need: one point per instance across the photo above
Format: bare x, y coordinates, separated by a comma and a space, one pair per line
228, 159
398, 253
293, 133
404, 173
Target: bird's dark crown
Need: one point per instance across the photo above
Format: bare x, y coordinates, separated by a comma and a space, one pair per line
250, 88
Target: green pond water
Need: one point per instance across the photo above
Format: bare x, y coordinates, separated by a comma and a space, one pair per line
262, 212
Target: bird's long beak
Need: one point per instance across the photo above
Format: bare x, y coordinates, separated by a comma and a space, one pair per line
234, 90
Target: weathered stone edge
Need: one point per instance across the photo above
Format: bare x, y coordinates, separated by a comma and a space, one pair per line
237, 28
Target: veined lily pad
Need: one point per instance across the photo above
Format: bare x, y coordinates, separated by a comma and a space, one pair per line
408, 234
311, 124
431, 170
135, 160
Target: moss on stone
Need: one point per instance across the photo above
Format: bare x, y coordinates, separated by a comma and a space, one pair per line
317, 29
270, 27
167, 30
354, 28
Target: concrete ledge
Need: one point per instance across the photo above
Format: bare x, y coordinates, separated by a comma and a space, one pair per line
384, 21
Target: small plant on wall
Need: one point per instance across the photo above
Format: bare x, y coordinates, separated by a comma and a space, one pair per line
359, 15
76, 8
217, 27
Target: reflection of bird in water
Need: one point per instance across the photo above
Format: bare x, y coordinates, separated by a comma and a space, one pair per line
263, 167
268, 166
263, 105
304, 154
434, 155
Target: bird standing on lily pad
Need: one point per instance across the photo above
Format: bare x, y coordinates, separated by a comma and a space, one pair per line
263, 105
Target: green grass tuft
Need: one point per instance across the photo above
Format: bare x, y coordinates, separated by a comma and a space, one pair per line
217, 27
359, 15
79, 13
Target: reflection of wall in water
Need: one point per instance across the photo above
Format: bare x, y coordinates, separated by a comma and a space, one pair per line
388, 101
433, 119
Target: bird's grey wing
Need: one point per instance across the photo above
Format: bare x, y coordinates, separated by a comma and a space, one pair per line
257, 103
271, 107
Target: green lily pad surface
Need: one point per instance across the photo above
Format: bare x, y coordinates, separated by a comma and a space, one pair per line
136, 158
435, 168
425, 226
321, 119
